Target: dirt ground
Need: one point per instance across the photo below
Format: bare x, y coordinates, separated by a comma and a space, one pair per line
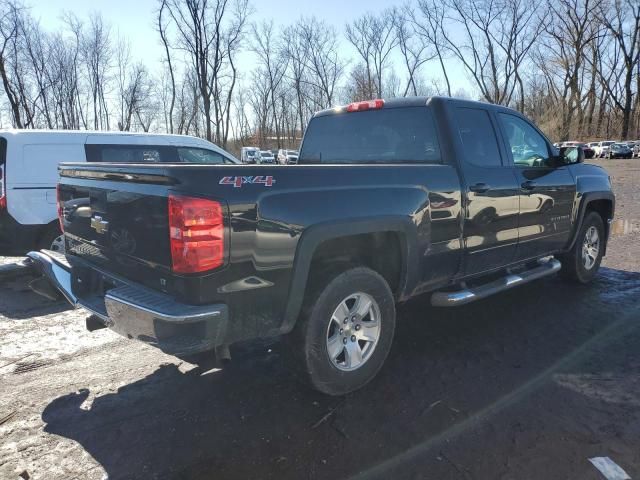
527, 384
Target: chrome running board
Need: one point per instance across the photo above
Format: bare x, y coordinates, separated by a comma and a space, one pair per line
462, 297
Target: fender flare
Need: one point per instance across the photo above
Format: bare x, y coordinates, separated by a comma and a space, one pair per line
313, 236
586, 199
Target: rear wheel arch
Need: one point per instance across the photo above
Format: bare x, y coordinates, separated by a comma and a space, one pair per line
319, 241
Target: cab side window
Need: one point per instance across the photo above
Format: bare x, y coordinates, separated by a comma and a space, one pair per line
200, 155
478, 137
528, 147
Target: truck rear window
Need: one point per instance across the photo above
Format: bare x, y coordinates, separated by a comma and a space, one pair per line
394, 135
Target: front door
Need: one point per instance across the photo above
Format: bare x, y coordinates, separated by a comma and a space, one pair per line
492, 193
547, 191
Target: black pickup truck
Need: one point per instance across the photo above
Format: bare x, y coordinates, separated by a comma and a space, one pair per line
389, 199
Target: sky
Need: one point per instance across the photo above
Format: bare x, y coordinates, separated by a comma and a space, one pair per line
134, 20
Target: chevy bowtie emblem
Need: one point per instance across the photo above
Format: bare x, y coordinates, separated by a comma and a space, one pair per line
99, 225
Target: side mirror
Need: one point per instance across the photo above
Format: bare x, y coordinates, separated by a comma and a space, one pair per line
571, 155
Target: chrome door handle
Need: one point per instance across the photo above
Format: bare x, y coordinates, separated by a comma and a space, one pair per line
480, 188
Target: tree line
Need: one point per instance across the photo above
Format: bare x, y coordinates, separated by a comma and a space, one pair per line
573, 66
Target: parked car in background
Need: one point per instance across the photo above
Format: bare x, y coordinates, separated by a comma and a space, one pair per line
619, 150
632, 145
266, 156
287, 157
636, 150
588, 151
586, 148
29, 172
250, 155
602, 148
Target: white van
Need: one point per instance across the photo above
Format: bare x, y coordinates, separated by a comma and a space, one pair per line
250, 155
29, 173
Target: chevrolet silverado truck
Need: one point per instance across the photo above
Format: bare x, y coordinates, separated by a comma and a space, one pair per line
389, 199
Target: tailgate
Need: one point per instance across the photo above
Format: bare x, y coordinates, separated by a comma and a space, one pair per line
117, 218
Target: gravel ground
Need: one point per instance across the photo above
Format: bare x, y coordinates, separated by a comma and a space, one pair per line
527, 384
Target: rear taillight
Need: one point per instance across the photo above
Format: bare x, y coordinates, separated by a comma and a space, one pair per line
368, 105
60, 208
3, 197
196, 234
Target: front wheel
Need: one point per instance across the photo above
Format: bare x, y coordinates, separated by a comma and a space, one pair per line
582, 262
346, 331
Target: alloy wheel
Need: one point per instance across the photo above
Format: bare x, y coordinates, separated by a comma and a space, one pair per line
353, 331
590, 247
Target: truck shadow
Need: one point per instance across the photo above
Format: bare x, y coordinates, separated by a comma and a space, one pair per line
19, 302
255, 420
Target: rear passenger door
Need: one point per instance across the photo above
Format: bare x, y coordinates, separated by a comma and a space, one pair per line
490, 229
547, 190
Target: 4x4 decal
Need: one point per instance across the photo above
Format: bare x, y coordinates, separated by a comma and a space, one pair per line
237, 182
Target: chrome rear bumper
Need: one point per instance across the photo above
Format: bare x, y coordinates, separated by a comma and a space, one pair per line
138, 312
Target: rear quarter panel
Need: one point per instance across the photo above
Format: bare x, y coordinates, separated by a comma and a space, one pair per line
273, 230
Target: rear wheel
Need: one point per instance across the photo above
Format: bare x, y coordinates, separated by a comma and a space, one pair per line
346, 330
583, 261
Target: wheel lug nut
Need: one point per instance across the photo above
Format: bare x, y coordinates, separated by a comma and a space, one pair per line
357, 327
344, 340
341, 331
346, 320
353, 319
353, 338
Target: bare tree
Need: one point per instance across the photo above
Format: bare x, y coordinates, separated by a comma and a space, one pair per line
162, 30
497, 37
430, 27
210, 33
374, 38
622, 19
9, 30
295, 48
97, 53
323, 60
273, 61
564, 48
414, 53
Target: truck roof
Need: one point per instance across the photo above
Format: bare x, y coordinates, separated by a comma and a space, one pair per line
419, 102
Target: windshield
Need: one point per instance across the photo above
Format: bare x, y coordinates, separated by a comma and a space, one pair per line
394, 135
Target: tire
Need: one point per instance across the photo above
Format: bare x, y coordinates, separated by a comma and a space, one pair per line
319, 331
577, 264
52, 239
